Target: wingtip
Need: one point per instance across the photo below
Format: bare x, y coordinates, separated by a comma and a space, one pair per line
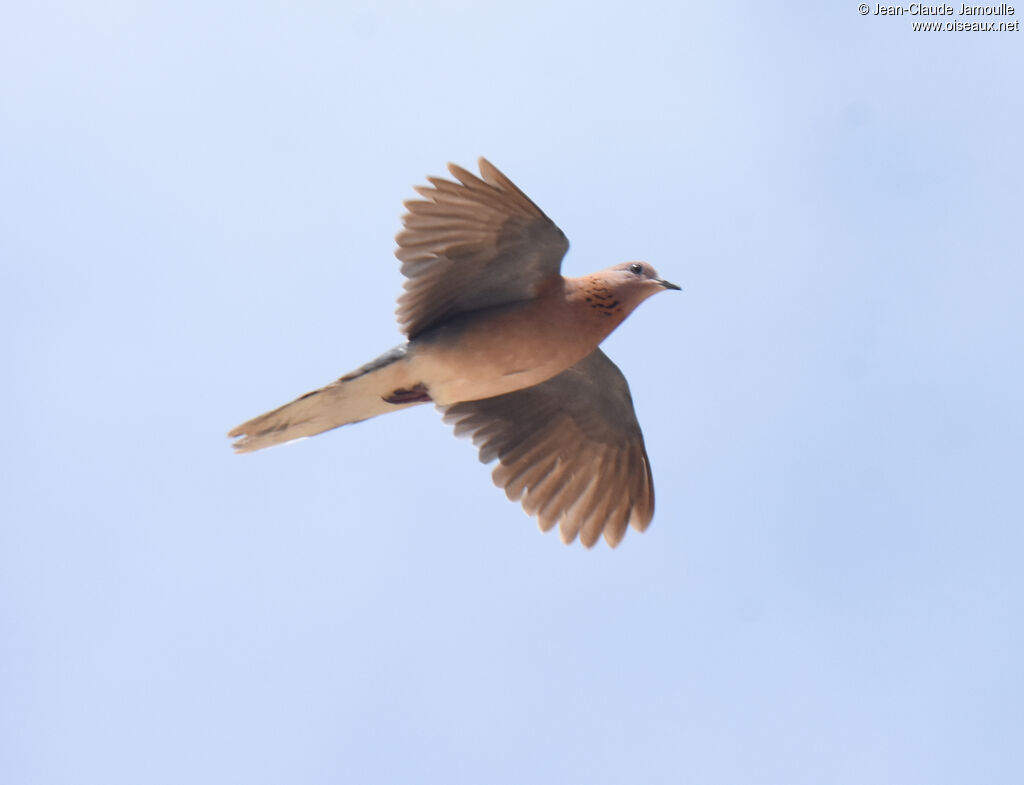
484, 165
493, 176
640, 520
464, 176
489, 173
613, 536
568, 537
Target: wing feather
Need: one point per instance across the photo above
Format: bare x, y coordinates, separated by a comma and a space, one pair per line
471, 244
570, 450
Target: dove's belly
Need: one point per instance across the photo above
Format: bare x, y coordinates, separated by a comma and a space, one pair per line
500, 350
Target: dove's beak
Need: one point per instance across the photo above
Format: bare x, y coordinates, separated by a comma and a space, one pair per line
669, 284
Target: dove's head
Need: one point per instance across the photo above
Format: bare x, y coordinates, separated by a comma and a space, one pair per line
639, 276
615, 292
634, 282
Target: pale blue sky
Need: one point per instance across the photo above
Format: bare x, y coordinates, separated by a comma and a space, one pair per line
197, 206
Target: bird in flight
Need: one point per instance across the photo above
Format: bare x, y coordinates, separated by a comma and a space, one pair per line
507, 349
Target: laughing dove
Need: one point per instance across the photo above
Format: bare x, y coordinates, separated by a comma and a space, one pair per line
507, 349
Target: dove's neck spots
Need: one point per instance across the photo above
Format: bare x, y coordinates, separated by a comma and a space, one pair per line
604, 301
600, 299
596, 306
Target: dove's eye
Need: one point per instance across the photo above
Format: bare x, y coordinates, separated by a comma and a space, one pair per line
636, 269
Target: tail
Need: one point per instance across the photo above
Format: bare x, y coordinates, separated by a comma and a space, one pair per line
379, 386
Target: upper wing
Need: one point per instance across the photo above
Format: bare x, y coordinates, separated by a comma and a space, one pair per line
470, 245
570, 448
